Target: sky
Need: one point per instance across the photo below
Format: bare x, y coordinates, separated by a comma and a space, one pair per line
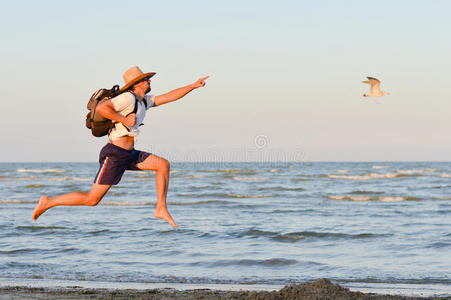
285, 78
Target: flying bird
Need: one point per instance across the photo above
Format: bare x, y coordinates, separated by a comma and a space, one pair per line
375, 91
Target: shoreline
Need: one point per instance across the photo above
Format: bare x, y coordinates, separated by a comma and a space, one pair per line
66, 289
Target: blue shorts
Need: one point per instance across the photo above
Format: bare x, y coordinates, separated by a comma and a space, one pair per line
114, 161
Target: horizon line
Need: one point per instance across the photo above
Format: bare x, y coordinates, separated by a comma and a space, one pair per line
251, 161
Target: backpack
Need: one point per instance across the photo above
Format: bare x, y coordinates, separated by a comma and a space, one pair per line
99, 125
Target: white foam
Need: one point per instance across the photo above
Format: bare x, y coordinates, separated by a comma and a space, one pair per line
64, 179
391, 199
250, 178
380, 167
342, 171
333, 197
35, 178
445, 175
18, 201
64, 284
41, 171
20, 178
144, 176
349, 198
360, 198
195, 176
363, 177
417, 171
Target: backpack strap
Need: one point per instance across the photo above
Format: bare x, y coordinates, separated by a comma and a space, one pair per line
136, 105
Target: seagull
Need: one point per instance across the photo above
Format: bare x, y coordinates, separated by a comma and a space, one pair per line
375, 91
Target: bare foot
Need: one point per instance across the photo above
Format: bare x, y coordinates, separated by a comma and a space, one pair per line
164, 214
40, 208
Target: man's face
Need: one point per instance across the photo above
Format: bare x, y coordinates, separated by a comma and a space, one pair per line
145, 85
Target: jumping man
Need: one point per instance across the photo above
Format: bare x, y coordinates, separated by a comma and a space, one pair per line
119, 154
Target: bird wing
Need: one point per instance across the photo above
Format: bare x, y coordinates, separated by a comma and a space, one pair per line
375, 83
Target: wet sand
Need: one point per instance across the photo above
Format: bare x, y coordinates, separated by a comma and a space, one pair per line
320, 289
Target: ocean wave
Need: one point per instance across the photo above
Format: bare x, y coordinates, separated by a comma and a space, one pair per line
281, 189
369, 176
19, 251
440, 244
39, 251
70, 179
144, 176
350, 198
127, 203
272, 262
250, 178
41, 171
296, 236
248, 196
445, 175
222, 195
418, 171
28, 178
195, 176
396, 198
176, 203
40, 228
342, 171
33, 186
359, 192
137, 203
442, 198
18, 201
379, 167
299, 179
53, 179
232, 171
371, 197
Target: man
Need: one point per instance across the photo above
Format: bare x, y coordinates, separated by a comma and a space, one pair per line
119, 154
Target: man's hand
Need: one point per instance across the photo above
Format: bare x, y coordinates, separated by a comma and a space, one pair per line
130, 120
200, 82
179, 93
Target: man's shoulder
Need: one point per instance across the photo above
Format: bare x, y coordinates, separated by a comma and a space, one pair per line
124, 102
124, 97
150, 100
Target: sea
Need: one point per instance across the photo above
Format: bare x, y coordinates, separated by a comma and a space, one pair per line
364, 225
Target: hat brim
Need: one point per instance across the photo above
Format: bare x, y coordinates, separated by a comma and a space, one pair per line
136, 80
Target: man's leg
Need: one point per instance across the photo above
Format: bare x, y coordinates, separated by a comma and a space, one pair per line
161, 166
76, 198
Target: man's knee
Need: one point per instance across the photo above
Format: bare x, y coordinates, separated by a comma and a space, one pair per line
164, 165
93, 200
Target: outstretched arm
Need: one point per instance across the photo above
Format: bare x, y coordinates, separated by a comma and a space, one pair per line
178, 93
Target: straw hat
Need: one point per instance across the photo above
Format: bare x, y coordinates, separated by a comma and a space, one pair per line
134, 75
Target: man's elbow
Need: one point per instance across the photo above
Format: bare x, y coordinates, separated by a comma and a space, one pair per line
102, 109
157, 101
